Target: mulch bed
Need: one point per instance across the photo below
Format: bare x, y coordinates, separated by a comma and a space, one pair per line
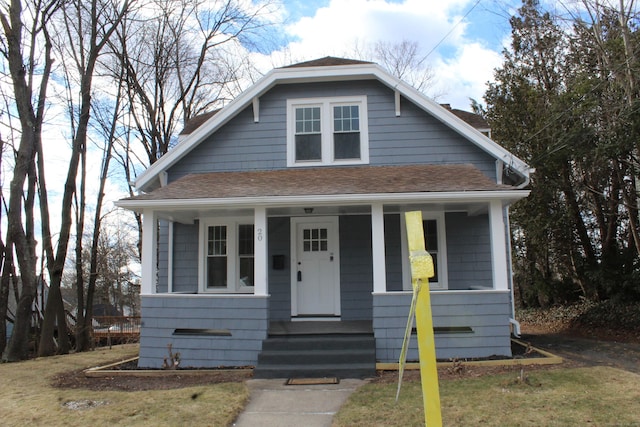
77, 380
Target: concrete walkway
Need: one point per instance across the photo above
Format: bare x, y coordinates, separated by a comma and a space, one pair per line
271, 403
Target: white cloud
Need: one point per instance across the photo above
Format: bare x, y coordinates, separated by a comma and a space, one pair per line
466, 74
461, 65
340, 25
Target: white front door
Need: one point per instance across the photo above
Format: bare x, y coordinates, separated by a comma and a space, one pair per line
315, 289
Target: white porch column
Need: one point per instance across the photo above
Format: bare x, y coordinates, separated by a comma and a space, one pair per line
377, 243
149, 252
261, 279
498, 246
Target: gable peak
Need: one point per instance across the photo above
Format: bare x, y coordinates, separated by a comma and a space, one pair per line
327, 61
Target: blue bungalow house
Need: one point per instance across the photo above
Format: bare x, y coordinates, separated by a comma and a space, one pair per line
273, 233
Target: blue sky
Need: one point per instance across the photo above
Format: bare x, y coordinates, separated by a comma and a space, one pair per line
464, 39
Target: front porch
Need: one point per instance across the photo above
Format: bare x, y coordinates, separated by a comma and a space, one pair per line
358, 254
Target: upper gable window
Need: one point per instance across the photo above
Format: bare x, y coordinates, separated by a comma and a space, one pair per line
325, 131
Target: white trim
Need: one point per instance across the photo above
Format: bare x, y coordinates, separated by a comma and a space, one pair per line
443, 267
378, 248
397, 102
170, 258
256, 109
498, 246
317, 319
261, 278
203, 296
334, 239
149, 252
326, 129
499, 171
329, 199
325, 74
444, 292
233, 282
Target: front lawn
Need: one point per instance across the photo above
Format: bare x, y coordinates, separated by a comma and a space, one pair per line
27, 397
599, 396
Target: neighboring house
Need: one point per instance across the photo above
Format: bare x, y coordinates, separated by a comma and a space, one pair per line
282, 214
37, 306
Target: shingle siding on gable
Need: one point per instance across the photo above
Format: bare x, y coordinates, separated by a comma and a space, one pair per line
414, 137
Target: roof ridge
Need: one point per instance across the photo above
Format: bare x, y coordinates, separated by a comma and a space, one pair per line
328, 61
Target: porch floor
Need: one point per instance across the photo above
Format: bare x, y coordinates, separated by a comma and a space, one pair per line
320, 328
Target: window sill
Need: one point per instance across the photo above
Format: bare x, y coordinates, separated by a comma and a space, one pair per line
325, 164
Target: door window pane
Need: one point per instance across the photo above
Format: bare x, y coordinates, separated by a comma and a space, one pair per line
315, 240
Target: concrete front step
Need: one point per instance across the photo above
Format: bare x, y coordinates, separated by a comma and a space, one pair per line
337, 356
319, 342
309, 356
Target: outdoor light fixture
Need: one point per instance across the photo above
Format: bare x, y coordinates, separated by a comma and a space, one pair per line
308, 210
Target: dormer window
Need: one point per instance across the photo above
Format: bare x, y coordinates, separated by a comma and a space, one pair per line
326, 131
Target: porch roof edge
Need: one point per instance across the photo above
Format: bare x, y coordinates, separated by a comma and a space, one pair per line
506, 196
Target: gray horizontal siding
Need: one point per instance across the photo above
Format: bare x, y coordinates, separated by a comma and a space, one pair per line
356, 267
185, 257
487, 313
414, 137
245, 317
279, 240
468, 251
163, 256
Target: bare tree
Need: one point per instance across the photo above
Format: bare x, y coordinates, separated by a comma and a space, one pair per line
182, 62
402, 59
24, 33
87, 28
107, 118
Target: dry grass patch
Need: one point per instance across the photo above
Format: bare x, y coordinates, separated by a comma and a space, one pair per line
28, 397
600, 396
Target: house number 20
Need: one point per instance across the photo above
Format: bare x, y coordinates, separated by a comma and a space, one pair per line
259, 234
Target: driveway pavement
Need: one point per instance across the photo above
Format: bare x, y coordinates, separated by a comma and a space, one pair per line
589, 352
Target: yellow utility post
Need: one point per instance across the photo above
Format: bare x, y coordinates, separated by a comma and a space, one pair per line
421, 270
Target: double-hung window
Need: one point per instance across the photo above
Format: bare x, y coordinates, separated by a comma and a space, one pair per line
325, 131
227, 255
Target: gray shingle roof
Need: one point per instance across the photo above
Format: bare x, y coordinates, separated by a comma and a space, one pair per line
326, 181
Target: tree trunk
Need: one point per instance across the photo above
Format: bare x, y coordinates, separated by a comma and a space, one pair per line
5, 283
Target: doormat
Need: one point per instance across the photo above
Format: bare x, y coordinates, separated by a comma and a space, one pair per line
312, 381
